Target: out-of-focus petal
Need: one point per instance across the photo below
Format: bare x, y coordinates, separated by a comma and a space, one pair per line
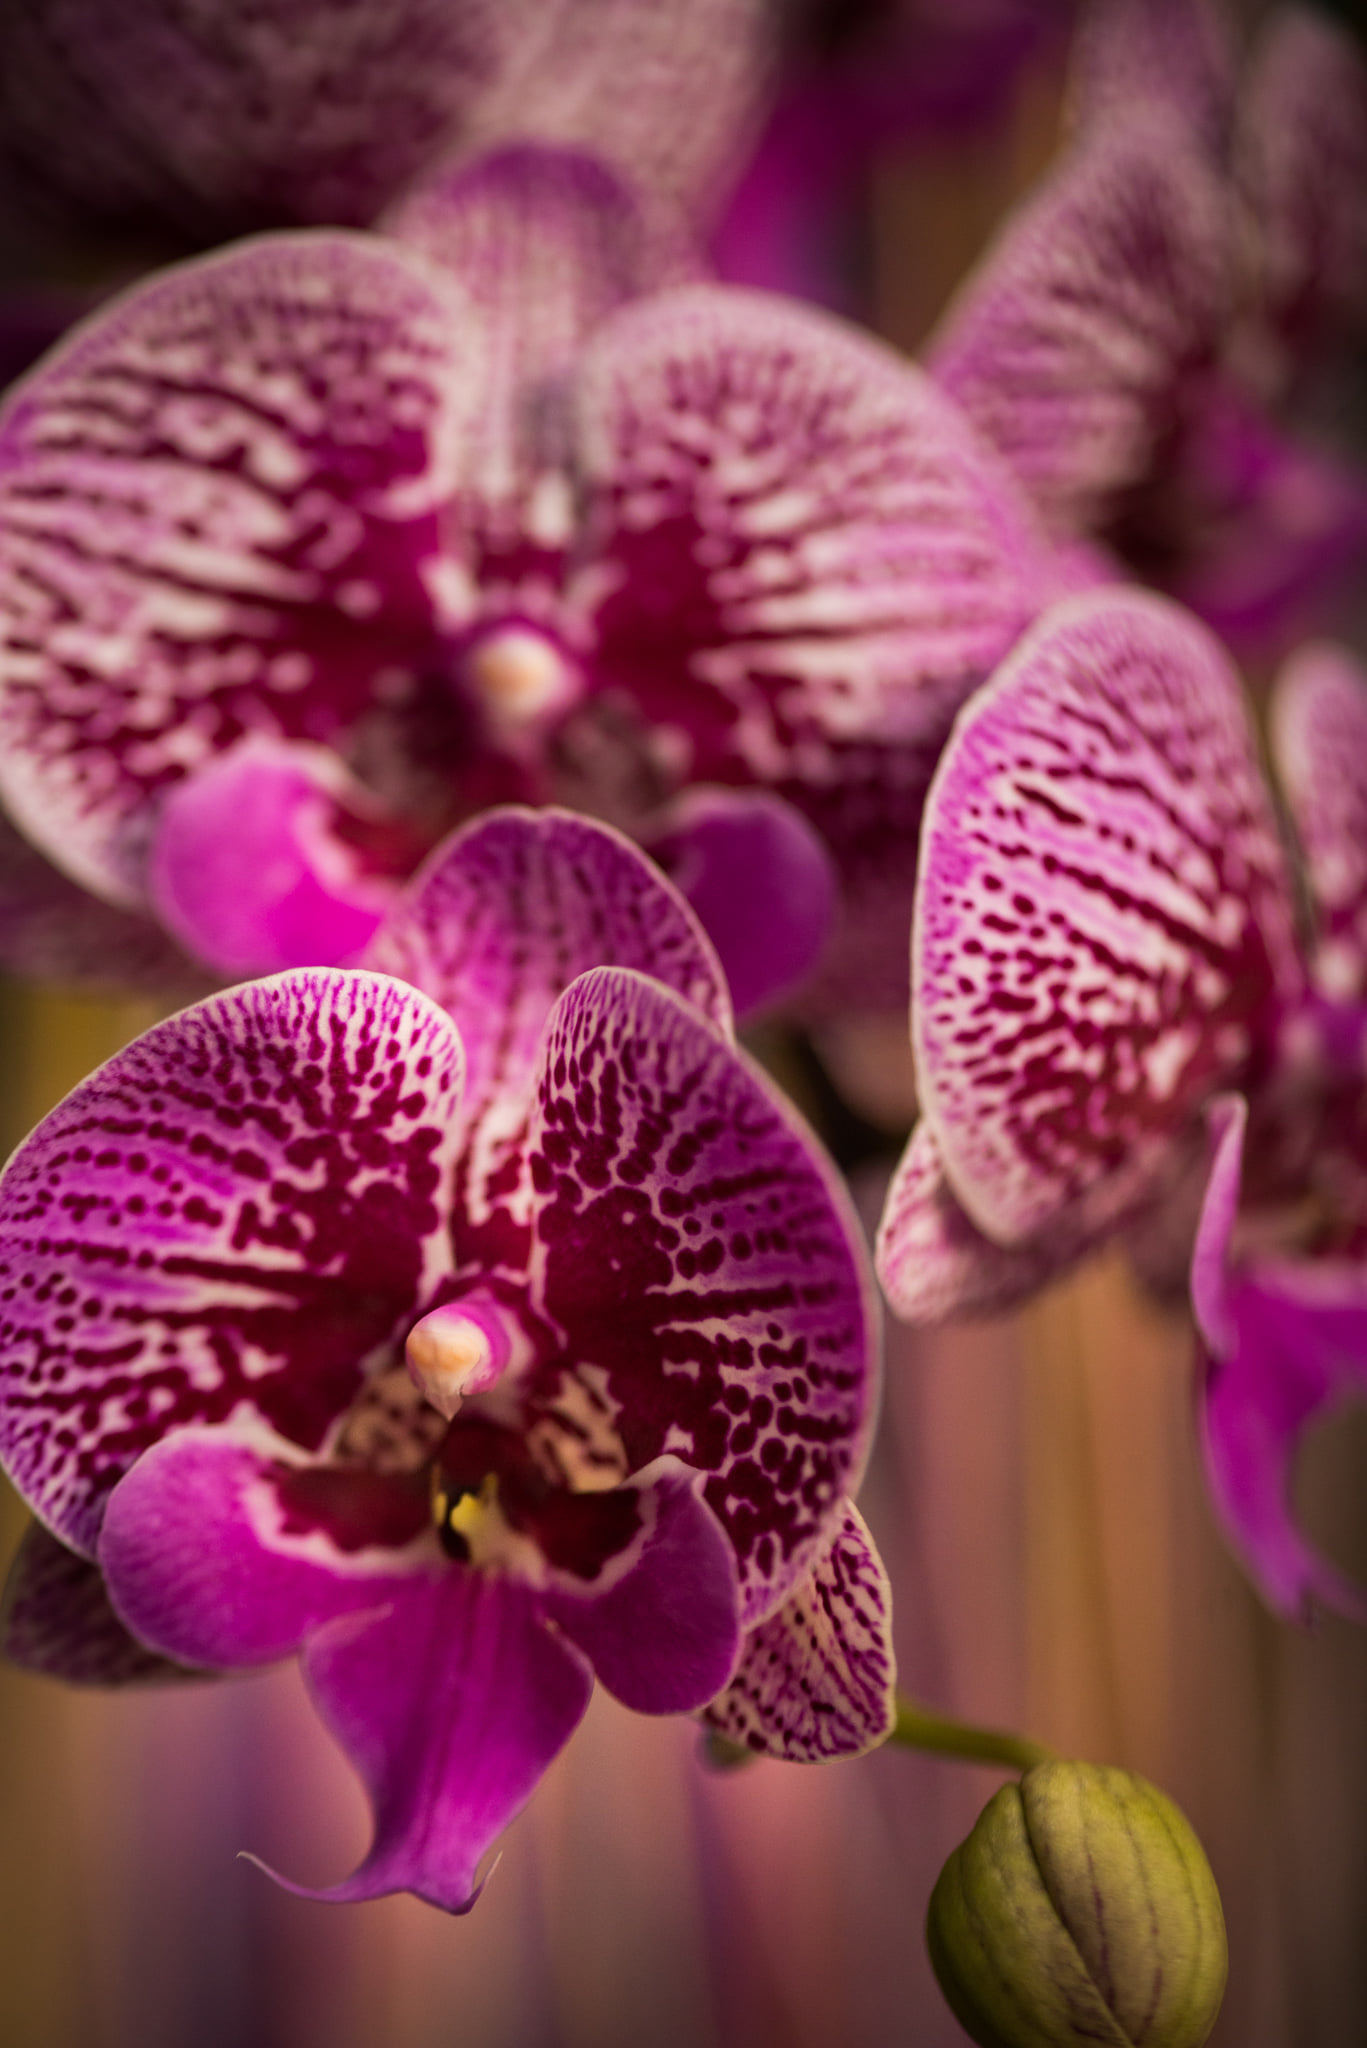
699, 1258
451, 1702
225, 1548
660, 1624
1144, 53
53, 930
230, 1218
1319, 741
1070, 347
1103, 922
816, 1679
248, 870
801, 544
934, 1262
57, 1620
220, 498
760, 880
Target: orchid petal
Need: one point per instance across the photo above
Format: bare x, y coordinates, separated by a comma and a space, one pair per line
698, 1255
220, 498
228, 1219
760, 881
817, 1678
1070, 347
53, 930
1227, 1120
247, 869
1319, 742
501, 920
801, 544
1142, 53
227, 1548
451, 1703
935, 1264
1103, 923
57, 1621
660, 1625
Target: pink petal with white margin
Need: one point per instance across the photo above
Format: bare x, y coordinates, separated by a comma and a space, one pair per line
228, 1548
802, 545
1282, 1345
1103, 922
1069, 347
503, 917
230, 1219
451, 1703
698, 1256
219, 501
57, 1621
817, 1679
1319, 748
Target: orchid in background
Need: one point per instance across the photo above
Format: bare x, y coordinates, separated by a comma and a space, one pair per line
1105, 955
473, 1334
315, 547
1139, 343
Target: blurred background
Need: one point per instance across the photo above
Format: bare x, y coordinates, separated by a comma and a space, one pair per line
1036, 1495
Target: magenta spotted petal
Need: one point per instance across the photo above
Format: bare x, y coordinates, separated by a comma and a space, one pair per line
702, 1265
1283, 1346
817, 1678
57, 1621
1103, 923
1072, 348
219, 503
225, 1222
802, 545
1319, 738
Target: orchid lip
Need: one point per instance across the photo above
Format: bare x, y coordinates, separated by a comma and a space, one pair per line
459, 1349
521, 679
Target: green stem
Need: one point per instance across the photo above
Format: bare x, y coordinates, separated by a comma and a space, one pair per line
917, 1728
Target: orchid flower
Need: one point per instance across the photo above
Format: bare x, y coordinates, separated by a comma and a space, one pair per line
472, 1334
314, 547
1126, 354
1105, 947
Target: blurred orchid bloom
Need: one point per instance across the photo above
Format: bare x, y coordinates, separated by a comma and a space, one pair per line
314, 547
1129, 342
1106, 945
472, 1334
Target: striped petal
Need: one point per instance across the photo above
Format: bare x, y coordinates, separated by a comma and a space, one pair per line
1103, 922
219, 504
1319, 741
228, 1220
698, 1258
816, 1680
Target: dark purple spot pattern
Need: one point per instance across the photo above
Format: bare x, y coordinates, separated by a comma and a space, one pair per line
1069, 348
816, 1679
495, 928
1103, 920
217, 505
698, 1259
228, 1221
57, 1621
1319, 743
802, 543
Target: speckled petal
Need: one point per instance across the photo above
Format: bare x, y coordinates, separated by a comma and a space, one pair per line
451, 1703
227, 1220
935, 1264
1103, 920
497, 925
697, 1254
1137, 53
224, 1547
660, 1624
57, 1621
1282, 1346
816, 1679
1319, 742
219, 501
800, 543
1068, 348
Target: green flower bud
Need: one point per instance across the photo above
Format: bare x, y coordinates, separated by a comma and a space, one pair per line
1081, 1909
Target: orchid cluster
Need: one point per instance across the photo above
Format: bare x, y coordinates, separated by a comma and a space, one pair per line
476, 655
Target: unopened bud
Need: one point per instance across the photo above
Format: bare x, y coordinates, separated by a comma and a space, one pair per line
1081, 1909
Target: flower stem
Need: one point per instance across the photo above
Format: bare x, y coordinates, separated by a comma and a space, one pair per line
917, 1728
